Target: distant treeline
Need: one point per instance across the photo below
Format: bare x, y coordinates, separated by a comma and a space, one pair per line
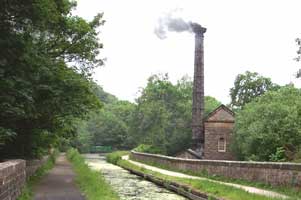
48, 98
267, 127
160, 117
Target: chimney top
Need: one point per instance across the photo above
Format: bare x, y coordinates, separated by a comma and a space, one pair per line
197, 28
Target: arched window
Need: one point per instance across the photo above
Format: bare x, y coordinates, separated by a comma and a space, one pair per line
221, 144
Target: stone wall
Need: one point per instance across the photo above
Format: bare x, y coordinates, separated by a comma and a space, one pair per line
186, 154
219, 127
213, 132
13, 174
265, 172
33, 165
12, 179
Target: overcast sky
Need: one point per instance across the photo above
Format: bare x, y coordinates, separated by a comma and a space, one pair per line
241, 35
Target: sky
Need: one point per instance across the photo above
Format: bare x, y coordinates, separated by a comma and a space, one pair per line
253, 35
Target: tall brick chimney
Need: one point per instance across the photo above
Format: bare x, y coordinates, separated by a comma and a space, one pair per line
198, 90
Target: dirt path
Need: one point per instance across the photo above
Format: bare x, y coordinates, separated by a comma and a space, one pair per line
181, 175
58, 184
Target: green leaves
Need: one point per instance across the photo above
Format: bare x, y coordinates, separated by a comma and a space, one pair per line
298, 58
269, 123
46, 58
107, 127
161, 118
163, 114
247, 87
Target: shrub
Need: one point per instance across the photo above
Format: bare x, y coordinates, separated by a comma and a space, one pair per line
145, 148
269, 128
115, 156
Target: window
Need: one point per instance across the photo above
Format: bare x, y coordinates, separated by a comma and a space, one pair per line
221, 145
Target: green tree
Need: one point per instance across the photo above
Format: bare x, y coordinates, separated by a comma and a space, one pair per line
163, 114
269, 125
210, 104
107, 130
46, 58
298, 58
247, 87
161, 117
103, 96
108, 127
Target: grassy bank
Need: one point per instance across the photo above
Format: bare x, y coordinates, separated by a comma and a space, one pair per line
286, 190
211, 188
90, 182
27, 191
116, 156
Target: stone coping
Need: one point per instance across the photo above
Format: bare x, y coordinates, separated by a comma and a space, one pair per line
227, 163
10, 166
36, 161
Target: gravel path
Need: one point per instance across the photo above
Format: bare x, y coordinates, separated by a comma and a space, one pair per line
59, 183
181, 175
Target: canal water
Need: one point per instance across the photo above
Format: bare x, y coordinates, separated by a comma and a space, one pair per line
127, 185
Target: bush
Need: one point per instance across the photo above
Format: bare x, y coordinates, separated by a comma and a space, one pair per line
269, 128
115, 156
145, 148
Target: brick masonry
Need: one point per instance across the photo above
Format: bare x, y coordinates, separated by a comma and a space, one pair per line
13, 174
288, 174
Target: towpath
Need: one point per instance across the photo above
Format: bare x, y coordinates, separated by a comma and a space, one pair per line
181, 175
59, 183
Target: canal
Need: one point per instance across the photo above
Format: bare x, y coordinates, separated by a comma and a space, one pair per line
127, 185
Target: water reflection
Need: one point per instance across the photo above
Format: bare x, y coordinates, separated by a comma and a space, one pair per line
129, 186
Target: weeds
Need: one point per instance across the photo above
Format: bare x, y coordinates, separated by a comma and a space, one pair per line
90, 182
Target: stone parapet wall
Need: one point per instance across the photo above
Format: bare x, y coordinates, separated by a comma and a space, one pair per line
13, 174
265, 172
12, 179
33, 165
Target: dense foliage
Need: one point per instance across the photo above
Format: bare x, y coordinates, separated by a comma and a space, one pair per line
247, 87
298, 58
46, 58
160, 118
163, 114
108, 127
269, 128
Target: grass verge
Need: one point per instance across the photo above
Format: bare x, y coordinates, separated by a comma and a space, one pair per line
90, 182
211, 188
27, 191
116, 156
294, 192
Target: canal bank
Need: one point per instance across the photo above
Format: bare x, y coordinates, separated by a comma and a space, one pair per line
127, 185
201, 187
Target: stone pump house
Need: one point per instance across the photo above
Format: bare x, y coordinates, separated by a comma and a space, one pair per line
218, 129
